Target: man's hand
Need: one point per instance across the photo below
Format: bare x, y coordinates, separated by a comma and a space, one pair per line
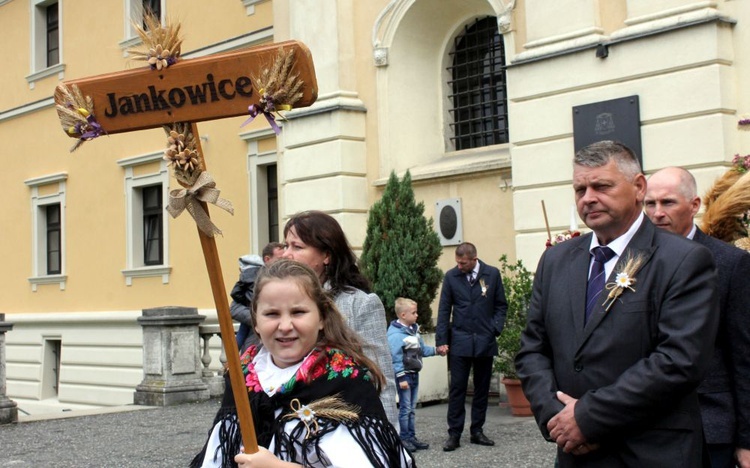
442, 349
403, 385
564, 429
743, 457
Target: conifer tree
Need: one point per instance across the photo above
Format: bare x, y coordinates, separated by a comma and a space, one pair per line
401, 250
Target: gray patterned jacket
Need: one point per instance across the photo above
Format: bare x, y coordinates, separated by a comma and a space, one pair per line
365, 314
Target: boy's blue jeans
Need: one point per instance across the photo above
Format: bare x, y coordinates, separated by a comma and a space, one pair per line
407, 401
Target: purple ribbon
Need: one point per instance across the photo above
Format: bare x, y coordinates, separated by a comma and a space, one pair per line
170, 61
95, 129
254, 111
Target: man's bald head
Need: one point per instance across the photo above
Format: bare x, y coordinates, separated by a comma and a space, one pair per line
671, 200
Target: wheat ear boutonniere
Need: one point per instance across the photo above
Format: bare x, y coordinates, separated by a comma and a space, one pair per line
625, 279
332, 407
484, 287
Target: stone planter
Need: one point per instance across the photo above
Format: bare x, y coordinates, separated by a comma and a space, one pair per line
433, 378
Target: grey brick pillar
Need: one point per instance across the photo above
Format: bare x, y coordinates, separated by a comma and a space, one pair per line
171, 357
8, 407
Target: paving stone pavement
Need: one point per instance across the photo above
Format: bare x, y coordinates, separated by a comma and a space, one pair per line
134, 436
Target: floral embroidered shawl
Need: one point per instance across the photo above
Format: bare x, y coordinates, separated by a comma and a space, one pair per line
325, 372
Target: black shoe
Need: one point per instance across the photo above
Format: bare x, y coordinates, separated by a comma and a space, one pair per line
419, 444
451, 444
408, 445
481, 439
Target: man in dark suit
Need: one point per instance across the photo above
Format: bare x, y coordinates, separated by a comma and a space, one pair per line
615, 385
724, 396
471, 315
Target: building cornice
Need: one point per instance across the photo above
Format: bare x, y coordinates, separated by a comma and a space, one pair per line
631, 33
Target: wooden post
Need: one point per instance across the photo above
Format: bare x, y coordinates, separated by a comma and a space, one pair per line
236, 377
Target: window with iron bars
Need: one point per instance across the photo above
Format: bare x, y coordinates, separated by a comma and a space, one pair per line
478, 87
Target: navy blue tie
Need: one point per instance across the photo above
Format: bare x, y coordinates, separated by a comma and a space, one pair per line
596, 280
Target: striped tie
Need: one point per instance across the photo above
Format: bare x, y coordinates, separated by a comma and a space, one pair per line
596, 280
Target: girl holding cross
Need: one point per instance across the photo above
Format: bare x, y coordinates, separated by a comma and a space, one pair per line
313, 393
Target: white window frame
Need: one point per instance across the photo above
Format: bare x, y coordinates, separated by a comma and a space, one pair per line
134, 9
258, 184
134, 264
38, 18
39, 229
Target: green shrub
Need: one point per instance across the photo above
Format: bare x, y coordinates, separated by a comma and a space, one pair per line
401, 250
518, 283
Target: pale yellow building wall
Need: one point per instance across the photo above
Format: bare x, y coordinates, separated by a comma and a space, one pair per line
93, 311
95, 209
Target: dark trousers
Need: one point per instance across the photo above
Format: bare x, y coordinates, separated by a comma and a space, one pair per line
460, 368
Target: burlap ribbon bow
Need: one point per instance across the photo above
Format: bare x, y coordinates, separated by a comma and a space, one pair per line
203, 190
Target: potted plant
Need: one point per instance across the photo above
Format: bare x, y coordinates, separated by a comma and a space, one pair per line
517, 282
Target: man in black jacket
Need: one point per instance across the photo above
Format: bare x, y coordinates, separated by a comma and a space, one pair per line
242, 292
471, 315
620, 328
724, 396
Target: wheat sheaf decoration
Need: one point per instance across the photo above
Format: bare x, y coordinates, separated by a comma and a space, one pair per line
279, 89
161, 46
76, 113
199, 187
727, 208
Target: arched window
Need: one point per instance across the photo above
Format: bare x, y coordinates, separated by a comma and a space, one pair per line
478, 87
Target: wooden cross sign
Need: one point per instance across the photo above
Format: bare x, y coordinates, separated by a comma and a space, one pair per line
175, 94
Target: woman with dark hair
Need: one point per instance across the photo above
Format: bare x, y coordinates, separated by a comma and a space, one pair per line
317, 240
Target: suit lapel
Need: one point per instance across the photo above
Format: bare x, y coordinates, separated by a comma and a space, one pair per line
641, 244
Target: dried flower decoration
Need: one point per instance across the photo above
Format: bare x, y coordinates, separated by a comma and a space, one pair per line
727, 206
199, 187
76, 113
332, 407
741, 164
278, 88
623, 280
744, 123
161, 46
743, 243
563, 236
182, 153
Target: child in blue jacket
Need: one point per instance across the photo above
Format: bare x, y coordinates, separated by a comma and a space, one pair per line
407, 350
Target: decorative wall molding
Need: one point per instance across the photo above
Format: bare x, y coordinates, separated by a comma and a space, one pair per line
250, 5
